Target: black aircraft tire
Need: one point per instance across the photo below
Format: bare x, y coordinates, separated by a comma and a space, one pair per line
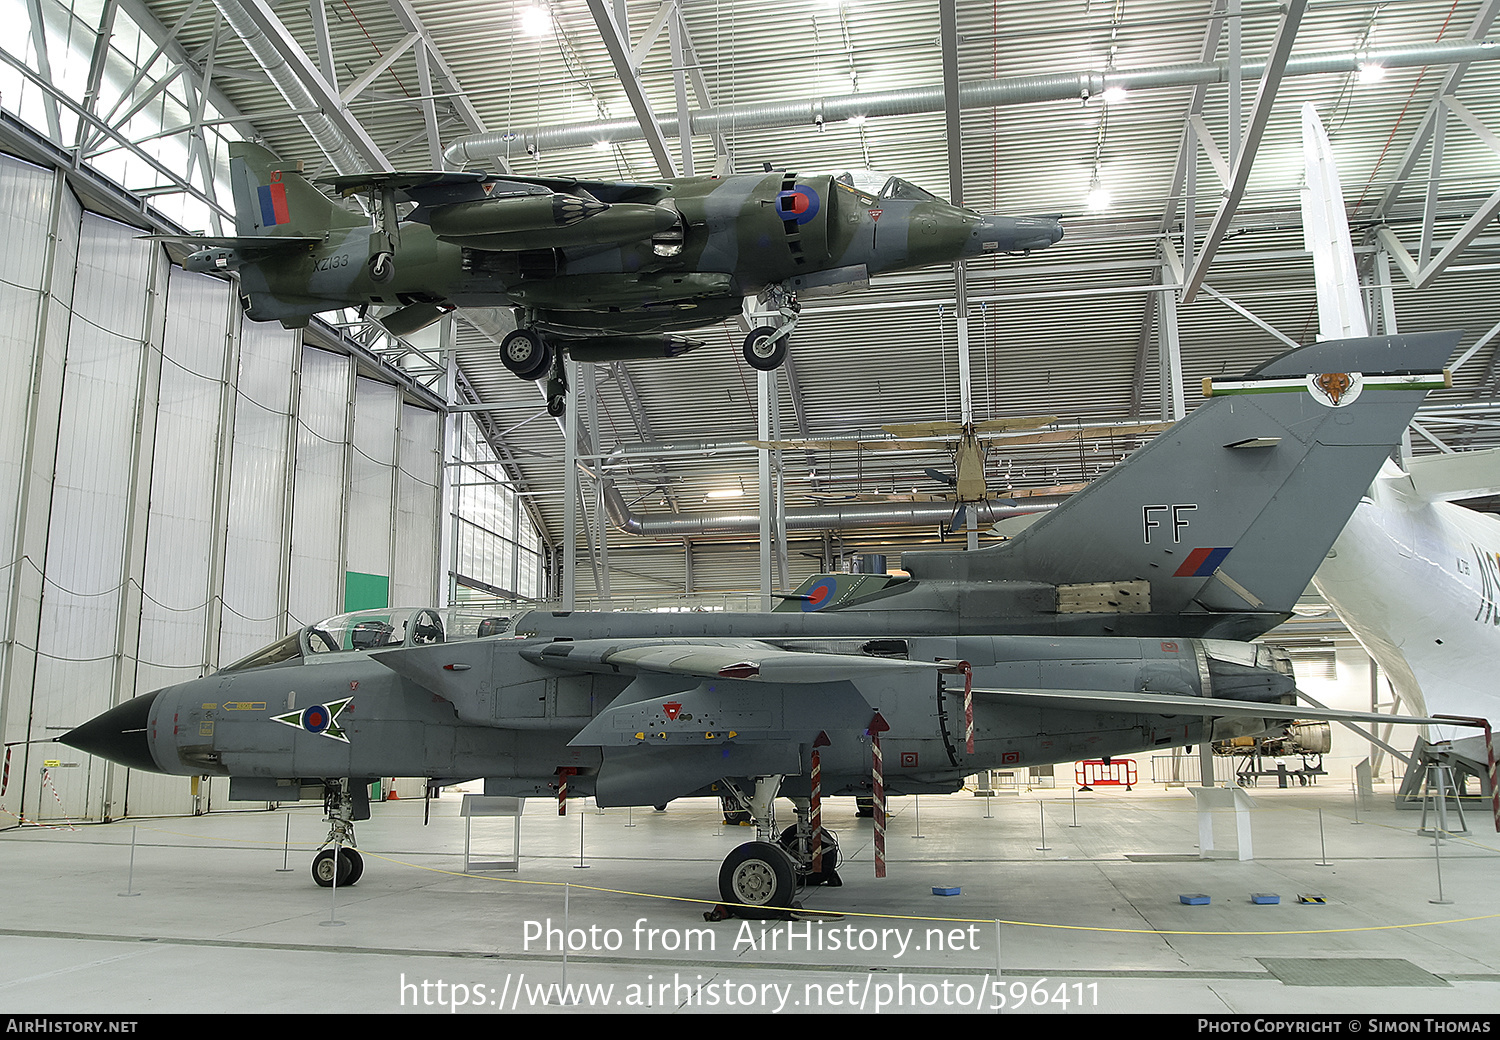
323, 869
759, 876
382, 268
788, 841
526, 354
356, 865
762, 352
557, 406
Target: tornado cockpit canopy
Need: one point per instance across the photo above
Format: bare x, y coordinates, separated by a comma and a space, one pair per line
381, 628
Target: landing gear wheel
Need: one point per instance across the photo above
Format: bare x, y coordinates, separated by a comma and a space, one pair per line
763, 351
557, 406
323, 869
828, 875
758, 875
357, 864
526, 354
382, 267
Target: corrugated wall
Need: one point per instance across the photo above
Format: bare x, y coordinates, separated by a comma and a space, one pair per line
177, 488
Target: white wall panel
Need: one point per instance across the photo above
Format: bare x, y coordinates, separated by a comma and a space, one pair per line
38, 285
257, 538
372, 469
415, 577
86, 568
318, 494
181, 535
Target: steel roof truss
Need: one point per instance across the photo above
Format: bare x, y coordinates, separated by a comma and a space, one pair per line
1420, 270
1260, 113
617, 43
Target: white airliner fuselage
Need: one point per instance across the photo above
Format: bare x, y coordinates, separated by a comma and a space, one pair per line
1414, 577
1418, 583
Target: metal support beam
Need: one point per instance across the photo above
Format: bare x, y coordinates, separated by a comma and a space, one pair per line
1169, 356
1260, 114
1420, 270
1478, 29
618, 46
349, 147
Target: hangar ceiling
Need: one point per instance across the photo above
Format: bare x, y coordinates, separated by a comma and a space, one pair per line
999, 103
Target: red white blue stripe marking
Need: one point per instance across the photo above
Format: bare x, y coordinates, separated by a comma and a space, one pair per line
1200, 563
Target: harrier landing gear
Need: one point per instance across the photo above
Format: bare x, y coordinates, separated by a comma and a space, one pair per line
345, 867
526, 353
771, 327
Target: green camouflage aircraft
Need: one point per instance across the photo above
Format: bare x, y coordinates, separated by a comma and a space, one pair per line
601, 270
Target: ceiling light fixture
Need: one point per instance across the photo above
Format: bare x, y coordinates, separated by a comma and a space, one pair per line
535, 21
1099, 197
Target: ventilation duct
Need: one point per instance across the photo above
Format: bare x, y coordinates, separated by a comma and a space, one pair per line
981, 94
853, 516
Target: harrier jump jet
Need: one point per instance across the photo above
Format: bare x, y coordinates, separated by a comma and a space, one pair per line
601, 270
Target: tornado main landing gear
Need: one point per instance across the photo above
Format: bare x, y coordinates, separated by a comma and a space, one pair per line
760, 878
339, 802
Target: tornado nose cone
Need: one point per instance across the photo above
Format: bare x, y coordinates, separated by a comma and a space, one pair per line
120, 734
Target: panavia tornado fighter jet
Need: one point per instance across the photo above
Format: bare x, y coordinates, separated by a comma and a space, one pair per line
1116, 624
599, 269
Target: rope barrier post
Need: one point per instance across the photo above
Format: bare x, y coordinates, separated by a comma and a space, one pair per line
130, 874
878, 725
286, 847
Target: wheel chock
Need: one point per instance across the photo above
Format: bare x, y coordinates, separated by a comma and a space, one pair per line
1194, 899
941, 891
1265, 898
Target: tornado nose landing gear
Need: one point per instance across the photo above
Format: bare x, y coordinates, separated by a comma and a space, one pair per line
344, 802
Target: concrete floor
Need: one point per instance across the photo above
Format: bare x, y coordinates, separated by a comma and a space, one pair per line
1091, 924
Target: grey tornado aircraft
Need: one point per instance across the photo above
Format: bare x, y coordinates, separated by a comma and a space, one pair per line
1116, 624
598, 269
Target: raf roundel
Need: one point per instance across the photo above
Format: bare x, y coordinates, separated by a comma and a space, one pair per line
799, 205
820, 595
315, 718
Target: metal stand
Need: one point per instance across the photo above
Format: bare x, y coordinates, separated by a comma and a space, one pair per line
489, 806
1210, 799
1439, 782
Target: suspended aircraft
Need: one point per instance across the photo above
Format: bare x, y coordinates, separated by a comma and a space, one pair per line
600, 270
1115, 624
1415, 577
